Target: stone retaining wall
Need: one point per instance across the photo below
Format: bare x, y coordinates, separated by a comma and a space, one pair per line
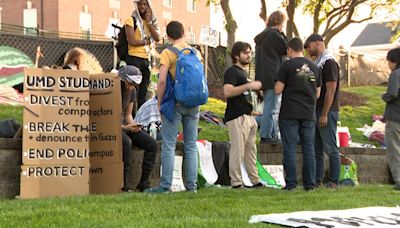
372, 163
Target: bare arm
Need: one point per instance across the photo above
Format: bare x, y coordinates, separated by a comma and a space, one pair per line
154, 32
162, 81
279, 86
233, 91
318, 92
131, 124
329, 96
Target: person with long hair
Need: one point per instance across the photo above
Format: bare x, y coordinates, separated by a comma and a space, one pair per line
271, 46
75, 59
392, 115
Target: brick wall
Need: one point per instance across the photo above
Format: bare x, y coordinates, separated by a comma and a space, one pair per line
12, 13
63, 15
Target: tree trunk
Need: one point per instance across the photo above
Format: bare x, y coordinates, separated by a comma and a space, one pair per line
263, 13
316, 19
290, 26
231, 25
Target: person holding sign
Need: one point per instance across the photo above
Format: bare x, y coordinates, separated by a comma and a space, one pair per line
132, 134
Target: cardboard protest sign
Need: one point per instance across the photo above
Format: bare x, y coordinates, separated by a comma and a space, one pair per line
209, 36
105, 114
40, 181
106, 167
106, 178
56, 133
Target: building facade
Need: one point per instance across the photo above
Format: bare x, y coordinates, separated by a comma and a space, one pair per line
90, 17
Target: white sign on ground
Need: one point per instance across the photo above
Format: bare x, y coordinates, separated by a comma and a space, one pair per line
209, 36
360, 217
177, 180
276, 171
206, 163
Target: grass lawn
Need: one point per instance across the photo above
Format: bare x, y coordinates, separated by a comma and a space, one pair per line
351, 117
358, 116
207, 208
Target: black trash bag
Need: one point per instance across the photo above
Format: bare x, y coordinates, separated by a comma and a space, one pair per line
8, 128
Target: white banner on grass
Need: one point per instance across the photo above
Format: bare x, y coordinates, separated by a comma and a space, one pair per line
276, 171
207, 167
361, 217
177, 181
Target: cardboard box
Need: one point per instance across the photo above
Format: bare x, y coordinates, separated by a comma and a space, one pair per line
106, 178
54, 181
106, 113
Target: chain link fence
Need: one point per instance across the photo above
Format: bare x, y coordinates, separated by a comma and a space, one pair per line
54, 48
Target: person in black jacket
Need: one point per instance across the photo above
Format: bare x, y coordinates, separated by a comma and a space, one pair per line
271, 46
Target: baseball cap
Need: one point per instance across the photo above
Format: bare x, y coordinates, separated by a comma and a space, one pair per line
130, 74
312, 38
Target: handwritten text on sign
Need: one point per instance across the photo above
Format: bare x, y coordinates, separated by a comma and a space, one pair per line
208, 36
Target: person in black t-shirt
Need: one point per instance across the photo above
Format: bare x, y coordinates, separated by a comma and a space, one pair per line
241, 125
299, 82
327, 112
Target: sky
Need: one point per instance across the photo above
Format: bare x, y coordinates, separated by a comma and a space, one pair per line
250, 24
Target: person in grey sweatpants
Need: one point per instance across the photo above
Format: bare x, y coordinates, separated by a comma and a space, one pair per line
392, 115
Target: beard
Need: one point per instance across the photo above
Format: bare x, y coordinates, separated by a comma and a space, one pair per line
244, 62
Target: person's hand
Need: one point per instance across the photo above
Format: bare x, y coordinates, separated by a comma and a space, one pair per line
132, 127
323, 121
147, 16
256, 85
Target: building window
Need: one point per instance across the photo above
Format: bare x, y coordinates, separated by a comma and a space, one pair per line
191, 38
191, 5
30, 21
114, 4
85, 25
167, 3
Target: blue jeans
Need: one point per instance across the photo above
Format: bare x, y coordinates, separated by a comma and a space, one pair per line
169, 131
291, 130
267, 122
325, 141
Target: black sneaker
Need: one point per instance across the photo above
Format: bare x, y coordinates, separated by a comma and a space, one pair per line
287, 188
142, 186
127, 189
308, 188
396, 186
272, 141
237, 186
258, 185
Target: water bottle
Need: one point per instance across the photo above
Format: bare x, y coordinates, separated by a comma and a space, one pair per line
153, 130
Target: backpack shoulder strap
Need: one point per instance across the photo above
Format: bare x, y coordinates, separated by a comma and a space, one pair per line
173, 49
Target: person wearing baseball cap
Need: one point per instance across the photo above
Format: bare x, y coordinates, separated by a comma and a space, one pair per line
327, 111
132, 133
